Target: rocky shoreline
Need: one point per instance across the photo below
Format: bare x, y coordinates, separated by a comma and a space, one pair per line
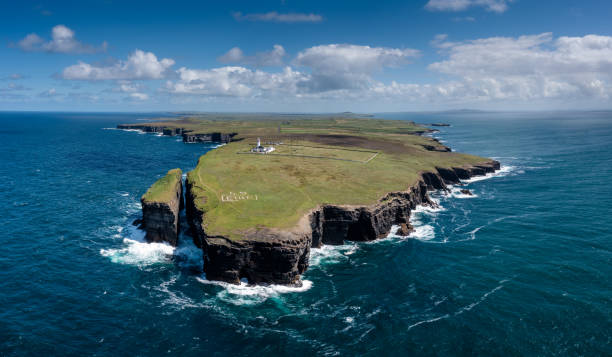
280, 257
188, 136
272, 256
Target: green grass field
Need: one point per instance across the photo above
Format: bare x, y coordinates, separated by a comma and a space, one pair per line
319, 152
240, 192
163, 189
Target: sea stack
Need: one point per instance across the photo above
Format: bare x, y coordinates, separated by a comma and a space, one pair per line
161, 205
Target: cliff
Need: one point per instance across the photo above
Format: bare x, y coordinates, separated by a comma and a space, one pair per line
275, 256
161, 205
187, 135
329, 180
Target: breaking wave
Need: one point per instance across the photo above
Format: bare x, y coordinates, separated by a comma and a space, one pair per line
503, 171
331, 254
245, 294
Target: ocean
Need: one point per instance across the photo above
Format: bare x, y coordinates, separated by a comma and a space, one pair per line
522, 268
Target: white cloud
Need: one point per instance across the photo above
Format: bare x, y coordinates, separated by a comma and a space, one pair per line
333, 68
139, 65
352, 58
124, 86
498, 6
139, 96
526, 69
274, 16
345, 66
235, 82
529, 67
49, 93
62, 41
260, 59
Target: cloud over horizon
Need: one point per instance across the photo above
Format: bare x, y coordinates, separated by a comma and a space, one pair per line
274, 16
63, 40
524, 68
139, 65
273, 57
498, 6
533, 66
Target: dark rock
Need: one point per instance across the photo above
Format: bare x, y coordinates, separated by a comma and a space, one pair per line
262, 256
160, 219
137, 222
273, 256
404, 230
207, 137
465, 191
448, 175
433, 181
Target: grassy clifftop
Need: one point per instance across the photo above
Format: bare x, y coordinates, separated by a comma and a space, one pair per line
164, 189
252, 125
341, 161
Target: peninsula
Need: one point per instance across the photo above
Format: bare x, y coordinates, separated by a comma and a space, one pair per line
285, 183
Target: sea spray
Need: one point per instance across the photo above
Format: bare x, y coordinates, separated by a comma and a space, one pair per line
246, 294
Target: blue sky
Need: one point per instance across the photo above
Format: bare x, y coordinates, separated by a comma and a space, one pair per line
305, 56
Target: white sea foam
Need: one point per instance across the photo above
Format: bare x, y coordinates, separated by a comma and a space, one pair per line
136, 251
245, 294
132, 130
423, 232
139, 253
329, 254
463, 309
188, 255
429, 210
428, 321
455, 192
503, 171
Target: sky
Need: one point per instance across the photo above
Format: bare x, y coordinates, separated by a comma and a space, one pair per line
305, 56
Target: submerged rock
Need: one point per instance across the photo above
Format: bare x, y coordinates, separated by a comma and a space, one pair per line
465, 191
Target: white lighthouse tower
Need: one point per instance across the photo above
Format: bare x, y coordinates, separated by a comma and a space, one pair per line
262, 149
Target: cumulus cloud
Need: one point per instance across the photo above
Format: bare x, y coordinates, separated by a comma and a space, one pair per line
328, 68
352, 58
527, 67
498, 6
139, 96
234, 81
139, 65
511, 69
345, 66
260, 59
274, 16
63, 40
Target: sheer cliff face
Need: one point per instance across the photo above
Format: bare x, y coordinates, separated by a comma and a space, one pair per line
280, 257
160, 217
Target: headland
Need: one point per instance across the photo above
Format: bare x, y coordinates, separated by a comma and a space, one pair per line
330, 178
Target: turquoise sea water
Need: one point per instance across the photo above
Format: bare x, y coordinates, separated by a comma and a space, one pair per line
522, 268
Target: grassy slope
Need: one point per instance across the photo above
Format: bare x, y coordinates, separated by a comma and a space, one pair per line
282, 189
163, 189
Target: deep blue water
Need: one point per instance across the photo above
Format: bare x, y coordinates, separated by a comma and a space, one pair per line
522, 268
